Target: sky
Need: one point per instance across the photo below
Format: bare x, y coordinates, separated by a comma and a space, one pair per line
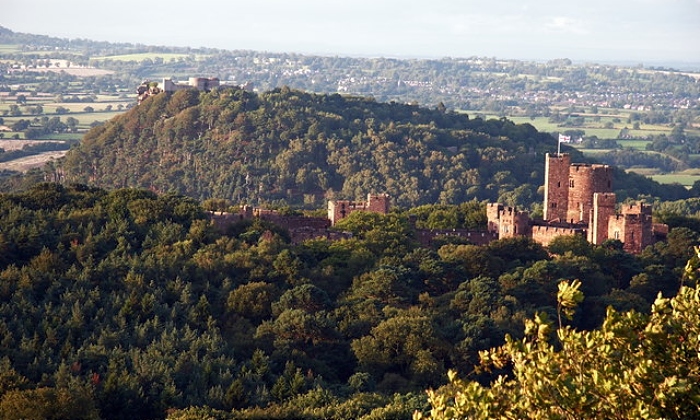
646, 32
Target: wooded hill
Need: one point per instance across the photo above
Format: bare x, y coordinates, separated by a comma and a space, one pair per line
287, 147
126, 304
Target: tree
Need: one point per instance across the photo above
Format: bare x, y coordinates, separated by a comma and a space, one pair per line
633, 366
72, 123
576, 244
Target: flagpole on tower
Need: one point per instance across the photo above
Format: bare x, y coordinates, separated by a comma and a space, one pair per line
559, 146
562, 139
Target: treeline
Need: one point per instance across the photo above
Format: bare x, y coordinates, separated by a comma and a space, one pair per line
287, 147
32, 149
127, 304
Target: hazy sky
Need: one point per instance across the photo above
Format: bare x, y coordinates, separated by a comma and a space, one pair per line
640, 31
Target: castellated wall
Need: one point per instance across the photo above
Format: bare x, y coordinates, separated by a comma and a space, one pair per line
200, 83
633, 227
556, 186
584, 181
507, 222
340, 209
513, 223
544, 234
578, 200
378, 203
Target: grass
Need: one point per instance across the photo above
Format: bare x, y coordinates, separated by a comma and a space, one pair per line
679, 178
686, 178
634, 144
594, 124
9, 48
62, 136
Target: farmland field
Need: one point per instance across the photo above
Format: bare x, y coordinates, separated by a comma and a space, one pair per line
18, 144
30, 162
686, 180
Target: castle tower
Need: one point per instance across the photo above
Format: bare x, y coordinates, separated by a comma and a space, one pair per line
603, 210
584, 181
340, 209
513, 223
378, 203
633, 227
556, 186
493, 215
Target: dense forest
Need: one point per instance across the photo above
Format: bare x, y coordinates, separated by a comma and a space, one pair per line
287, 147
127, 304
119, 298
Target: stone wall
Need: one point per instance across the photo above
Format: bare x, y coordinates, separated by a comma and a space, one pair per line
340, 209
543, 234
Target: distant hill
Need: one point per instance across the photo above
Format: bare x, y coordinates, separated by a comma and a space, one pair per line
288, 147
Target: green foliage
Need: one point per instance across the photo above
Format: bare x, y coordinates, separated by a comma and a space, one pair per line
575, 244
129, 304
633, 366
281, 145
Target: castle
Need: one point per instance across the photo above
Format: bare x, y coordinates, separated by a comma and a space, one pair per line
302, 228
578, 200
147, 88
204, 84
341, 209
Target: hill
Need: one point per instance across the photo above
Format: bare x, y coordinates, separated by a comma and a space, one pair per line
611, 107
287, 147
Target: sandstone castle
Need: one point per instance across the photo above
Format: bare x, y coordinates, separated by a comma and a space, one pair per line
578, 200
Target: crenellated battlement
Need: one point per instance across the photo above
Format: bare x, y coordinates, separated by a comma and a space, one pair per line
579, 201
340, 209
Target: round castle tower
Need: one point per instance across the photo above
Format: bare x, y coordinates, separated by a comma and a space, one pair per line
584, 181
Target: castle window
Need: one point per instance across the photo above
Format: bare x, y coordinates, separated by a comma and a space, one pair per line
571, 183
558, 184
617, 234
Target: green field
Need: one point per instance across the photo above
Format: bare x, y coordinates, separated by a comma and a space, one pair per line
680, 178
634, 144
9, 48
602, 125
62, 136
